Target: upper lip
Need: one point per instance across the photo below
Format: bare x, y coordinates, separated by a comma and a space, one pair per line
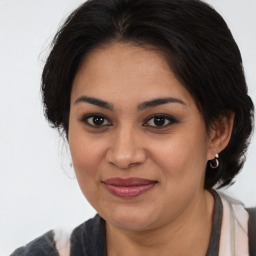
128, 182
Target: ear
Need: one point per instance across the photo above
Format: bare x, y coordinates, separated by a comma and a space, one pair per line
220, 134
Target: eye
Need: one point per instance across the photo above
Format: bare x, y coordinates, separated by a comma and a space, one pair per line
159, 121
95, 120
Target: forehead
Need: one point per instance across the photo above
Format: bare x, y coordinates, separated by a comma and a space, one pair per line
122, 71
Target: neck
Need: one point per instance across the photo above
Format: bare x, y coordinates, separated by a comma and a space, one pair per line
189, 234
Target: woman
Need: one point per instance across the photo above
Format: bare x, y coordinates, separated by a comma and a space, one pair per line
153, 101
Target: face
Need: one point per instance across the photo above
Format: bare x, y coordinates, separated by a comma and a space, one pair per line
138, 142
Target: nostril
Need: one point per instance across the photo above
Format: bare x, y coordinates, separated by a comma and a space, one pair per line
133, 164
125, 160
122, 163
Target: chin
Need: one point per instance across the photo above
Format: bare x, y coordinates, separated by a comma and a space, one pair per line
130, 219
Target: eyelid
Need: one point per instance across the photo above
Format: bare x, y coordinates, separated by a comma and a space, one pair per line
171, 119
84, 119
168, 117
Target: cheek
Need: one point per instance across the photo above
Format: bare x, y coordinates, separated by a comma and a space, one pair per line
86, 155
86, 161
182, 157
182, 161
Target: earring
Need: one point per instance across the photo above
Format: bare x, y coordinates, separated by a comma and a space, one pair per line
215, 162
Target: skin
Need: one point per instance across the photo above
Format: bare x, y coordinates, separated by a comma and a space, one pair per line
177, 212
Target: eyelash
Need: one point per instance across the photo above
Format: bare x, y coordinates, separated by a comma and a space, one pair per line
85, 119
164, 117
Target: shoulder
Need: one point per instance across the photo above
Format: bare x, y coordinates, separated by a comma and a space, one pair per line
252, 230
238, 208
89, 238
63, 242
41, 246
238, 227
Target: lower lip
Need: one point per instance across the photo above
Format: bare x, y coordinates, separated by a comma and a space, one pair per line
129, 192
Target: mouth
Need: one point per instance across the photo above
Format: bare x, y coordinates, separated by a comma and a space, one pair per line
129, 188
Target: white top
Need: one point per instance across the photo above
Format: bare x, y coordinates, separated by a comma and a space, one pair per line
234, 229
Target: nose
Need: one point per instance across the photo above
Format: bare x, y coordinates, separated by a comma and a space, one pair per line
126, 149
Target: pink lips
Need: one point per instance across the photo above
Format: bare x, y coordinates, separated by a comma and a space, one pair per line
129, 188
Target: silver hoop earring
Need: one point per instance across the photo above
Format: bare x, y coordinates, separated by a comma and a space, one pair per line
215, 162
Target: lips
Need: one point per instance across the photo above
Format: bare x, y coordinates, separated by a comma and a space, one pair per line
129, 188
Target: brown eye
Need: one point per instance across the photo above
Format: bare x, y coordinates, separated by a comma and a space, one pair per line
96, 120
159, 121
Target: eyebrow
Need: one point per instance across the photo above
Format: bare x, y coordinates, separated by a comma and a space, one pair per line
144, 105
95, 101
157, 102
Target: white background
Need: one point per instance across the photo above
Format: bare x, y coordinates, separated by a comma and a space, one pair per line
38, 189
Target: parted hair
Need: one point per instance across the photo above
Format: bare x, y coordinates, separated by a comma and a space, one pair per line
197, 45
